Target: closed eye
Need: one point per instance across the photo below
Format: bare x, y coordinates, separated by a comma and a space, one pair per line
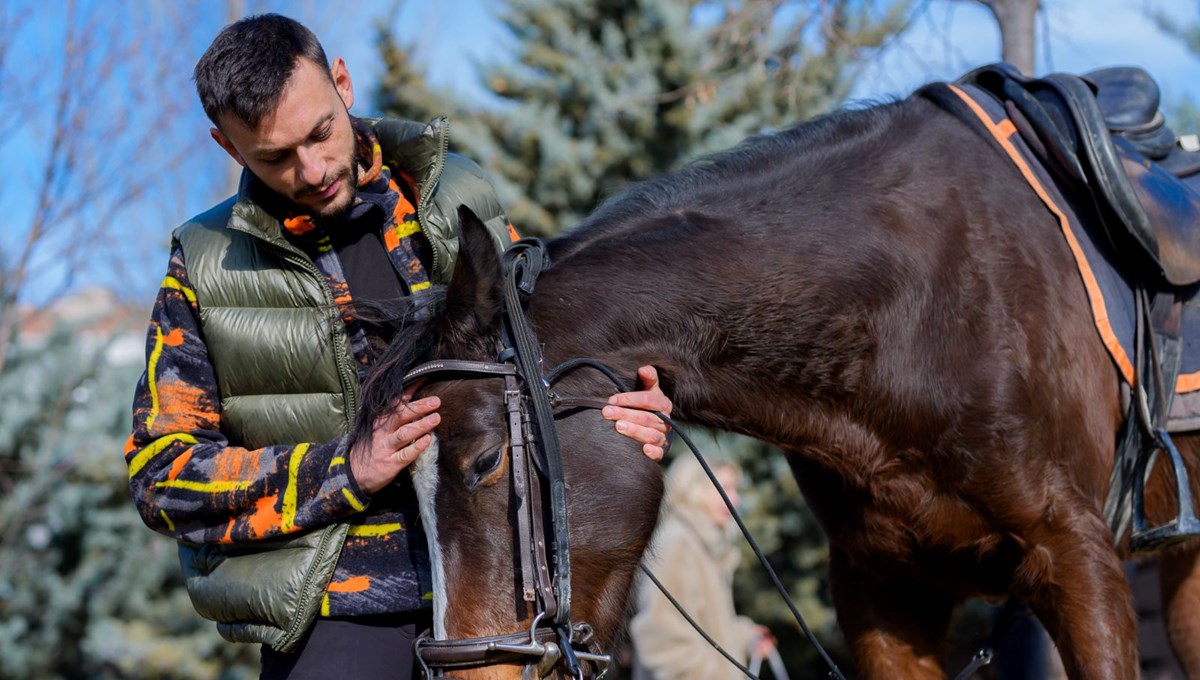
484, 471
487, 464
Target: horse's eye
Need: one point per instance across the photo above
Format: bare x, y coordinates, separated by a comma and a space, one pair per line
485, 465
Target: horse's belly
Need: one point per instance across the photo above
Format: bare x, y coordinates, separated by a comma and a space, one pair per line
935, 538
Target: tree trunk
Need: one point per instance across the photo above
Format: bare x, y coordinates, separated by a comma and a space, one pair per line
1016, 20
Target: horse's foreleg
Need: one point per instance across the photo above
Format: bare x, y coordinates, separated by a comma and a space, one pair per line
895, 629
1073, 580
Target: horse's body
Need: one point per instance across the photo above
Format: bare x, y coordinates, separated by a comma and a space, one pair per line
879, 294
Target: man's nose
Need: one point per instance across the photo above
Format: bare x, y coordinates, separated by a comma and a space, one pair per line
312, 168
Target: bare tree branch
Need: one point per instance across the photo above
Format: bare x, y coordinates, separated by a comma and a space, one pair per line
116, 90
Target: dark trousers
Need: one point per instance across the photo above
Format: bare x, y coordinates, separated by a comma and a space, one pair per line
363, 648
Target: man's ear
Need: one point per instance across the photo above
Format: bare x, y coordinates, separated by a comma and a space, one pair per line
224, 143
342, 82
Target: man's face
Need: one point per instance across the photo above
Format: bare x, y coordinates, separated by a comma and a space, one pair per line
304, 149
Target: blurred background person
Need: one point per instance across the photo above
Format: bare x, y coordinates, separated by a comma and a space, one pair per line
694, 554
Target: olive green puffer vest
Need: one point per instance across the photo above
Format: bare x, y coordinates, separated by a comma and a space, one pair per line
286, 373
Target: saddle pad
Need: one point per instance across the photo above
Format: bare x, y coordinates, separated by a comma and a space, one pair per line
1109, 292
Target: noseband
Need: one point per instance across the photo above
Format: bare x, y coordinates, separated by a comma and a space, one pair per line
537, 481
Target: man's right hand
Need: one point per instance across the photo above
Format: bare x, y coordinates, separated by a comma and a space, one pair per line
395, 442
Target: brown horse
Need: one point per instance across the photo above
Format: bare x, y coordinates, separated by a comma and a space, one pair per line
878, 293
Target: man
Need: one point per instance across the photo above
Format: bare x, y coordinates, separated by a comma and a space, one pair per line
292, 534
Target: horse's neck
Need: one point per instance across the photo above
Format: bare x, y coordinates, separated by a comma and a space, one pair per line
753, 281
734, 346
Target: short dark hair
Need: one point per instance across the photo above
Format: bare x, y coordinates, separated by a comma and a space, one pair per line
244, 70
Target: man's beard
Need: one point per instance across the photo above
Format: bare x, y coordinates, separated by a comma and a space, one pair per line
342, 202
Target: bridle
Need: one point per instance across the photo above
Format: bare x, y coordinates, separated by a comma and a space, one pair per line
543, 541
545, 568
552, 639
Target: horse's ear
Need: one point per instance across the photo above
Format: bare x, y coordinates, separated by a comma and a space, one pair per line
473, 300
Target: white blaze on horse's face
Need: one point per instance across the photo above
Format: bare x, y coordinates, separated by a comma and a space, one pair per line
425, 481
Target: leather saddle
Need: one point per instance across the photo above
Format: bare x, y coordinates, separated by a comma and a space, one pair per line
1103, 134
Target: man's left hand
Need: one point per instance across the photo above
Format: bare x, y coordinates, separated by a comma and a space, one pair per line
632, 412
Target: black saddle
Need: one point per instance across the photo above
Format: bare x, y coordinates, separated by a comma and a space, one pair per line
1103, 134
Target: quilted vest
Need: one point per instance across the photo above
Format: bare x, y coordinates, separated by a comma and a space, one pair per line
286, 373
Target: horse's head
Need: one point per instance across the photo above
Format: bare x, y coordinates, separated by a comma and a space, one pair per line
466, 483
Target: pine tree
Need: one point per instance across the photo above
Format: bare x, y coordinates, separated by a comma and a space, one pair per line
86, 590
607, 93
403, 91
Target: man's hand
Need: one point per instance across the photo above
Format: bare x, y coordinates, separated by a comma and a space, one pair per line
632, 413
395, 442
765, 643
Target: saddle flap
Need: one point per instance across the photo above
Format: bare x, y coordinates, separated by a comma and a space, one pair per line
1172, 207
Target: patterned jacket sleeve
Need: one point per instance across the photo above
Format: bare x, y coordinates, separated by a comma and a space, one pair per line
185, 478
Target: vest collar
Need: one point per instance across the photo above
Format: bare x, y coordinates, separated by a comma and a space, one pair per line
416, 150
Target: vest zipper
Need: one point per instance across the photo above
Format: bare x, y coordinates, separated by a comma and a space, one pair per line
439, 164
349, 385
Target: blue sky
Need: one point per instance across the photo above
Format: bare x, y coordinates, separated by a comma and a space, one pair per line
450, 37
948, 38
952, 36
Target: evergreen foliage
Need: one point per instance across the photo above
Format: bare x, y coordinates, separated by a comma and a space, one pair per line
402, 90
86, 590
606, 93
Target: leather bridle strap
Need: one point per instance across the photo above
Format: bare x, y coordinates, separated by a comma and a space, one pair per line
523, 262
521, 482
535, 571
551, 644
459, 366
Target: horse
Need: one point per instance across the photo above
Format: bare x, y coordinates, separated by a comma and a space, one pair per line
878, 293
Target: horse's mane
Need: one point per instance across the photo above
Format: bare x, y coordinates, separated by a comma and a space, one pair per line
737, 174
412, 323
